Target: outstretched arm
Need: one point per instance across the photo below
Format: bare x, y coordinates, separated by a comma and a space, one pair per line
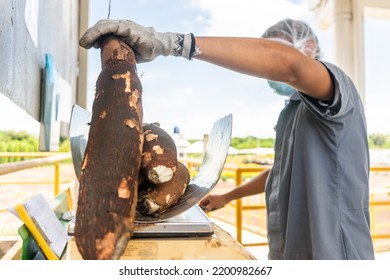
270, 60
255, 186
252, 56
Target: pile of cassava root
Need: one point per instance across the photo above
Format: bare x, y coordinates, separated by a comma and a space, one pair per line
122, 155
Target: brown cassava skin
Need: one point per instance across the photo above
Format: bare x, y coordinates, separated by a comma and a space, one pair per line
110, 171
159, 150
163, 195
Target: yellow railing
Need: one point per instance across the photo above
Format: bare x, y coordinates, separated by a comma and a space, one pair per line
383, 204
239, 207
239, 171
41, 158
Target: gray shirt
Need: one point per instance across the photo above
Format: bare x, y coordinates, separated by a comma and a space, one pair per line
317, 191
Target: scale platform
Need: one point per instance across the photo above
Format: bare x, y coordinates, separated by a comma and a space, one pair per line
191, 223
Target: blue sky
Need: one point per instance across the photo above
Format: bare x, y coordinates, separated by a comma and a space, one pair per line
194, 94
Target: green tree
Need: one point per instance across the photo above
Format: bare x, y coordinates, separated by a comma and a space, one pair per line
379, 141
251, 142
267, 143
17, 141
64, 145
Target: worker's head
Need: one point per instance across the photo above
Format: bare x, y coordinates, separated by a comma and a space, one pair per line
296, 33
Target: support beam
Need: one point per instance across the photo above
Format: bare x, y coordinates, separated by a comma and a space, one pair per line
82, 81
381, 4
349, 40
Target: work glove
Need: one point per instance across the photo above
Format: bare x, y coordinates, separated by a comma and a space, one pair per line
146, 43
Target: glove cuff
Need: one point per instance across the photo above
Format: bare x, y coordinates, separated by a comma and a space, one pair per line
180, 45
185, 45
175, 44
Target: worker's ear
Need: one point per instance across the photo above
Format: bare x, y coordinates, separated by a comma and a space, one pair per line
310, 48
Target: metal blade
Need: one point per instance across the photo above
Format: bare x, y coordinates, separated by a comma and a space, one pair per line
78, 132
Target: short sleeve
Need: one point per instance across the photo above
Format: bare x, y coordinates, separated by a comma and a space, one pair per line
344, 95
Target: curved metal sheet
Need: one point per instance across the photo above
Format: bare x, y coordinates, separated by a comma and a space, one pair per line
209, 173
78, 132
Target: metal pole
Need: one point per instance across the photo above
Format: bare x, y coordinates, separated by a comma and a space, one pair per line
57, 178
239, 208
26, 164
349, 51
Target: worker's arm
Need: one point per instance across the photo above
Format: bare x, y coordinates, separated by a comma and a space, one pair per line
255, 186
270, 60
253, 56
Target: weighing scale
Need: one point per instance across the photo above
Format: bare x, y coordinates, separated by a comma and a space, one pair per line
183, 231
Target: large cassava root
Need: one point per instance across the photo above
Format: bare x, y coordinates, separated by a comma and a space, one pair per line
110, 171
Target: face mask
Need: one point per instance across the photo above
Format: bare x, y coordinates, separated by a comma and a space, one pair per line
281, 88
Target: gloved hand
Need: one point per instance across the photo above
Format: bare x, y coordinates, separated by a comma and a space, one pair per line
146, 43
